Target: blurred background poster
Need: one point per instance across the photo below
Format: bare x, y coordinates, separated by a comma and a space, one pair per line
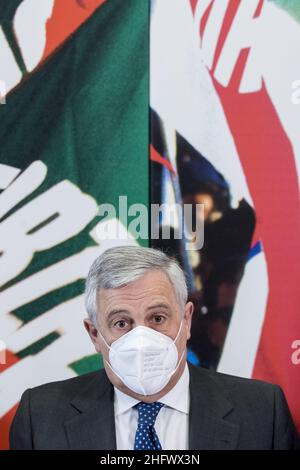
225, 128
73, 135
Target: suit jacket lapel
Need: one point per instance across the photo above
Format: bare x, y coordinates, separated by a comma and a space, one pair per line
208, 428
93, 424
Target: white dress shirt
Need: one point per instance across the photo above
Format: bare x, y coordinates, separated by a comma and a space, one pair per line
171, 424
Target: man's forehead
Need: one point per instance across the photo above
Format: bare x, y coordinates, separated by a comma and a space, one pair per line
154, 284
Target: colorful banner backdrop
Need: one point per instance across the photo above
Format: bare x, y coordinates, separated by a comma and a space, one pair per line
225, 80
74, 135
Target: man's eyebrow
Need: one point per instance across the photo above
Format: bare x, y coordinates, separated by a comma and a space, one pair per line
116, 311
159, 305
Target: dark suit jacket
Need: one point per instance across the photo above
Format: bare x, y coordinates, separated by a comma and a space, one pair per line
226, 412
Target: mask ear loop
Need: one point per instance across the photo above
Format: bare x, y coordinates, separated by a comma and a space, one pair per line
176, 337
104, 341
109, 348
178, 331
183, 352
178, 364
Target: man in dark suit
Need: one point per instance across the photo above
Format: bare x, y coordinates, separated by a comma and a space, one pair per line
147, 396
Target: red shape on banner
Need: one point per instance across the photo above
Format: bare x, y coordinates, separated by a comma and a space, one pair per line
6, 420
156, 157
5, 423
66, 17
10, 359
204, 19
258, 9
269, 166
193, 5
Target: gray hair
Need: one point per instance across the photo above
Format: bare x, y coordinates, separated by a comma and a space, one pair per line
119, 266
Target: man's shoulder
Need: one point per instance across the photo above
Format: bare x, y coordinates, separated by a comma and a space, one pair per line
68, 388
243, 398
231, 385
258, 408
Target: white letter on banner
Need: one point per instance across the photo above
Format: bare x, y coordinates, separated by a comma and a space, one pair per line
30, 27
29, 229
10, 72
7, 174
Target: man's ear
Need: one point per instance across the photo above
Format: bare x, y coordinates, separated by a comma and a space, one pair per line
188, 314
93, 333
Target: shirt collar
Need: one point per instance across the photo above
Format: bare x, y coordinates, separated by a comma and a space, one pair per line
177, 398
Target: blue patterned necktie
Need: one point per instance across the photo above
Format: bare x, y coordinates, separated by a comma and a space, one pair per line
146, 437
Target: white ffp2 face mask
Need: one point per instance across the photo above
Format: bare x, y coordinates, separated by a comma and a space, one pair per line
144, 359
